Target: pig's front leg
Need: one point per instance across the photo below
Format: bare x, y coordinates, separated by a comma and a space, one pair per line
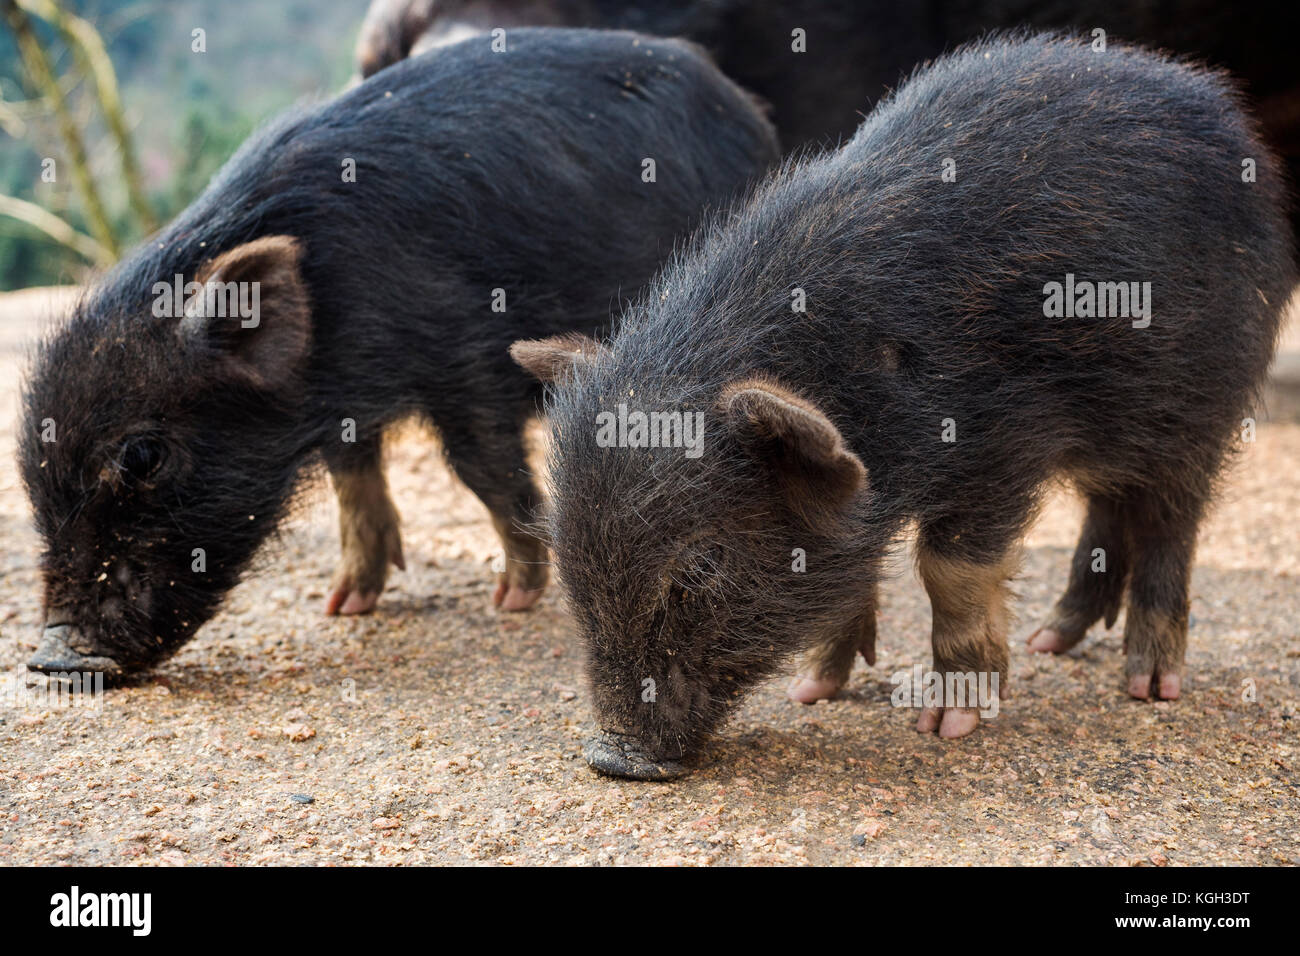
968, 600
826, 666
368, 529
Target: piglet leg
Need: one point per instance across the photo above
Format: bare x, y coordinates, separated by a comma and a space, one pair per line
487, 453
524, 578
1098, 574
1164, 528
968, 599
369, 532
826, 667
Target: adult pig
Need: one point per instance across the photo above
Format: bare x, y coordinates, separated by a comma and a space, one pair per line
822, 64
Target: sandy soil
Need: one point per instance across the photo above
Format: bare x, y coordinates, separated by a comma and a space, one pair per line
437, 731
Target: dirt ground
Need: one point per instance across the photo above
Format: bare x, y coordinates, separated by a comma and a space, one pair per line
438, 731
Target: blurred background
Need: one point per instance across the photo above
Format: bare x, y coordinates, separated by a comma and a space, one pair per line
135, 119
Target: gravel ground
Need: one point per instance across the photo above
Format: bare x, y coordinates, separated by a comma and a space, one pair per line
438, 731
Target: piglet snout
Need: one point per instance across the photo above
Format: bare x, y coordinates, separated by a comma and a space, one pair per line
65, 647
622, 755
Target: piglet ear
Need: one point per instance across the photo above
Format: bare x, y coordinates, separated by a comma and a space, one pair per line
253, 311
816, 472
550, 360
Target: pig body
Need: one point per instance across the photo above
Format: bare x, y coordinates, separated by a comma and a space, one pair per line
900, 332
398, 239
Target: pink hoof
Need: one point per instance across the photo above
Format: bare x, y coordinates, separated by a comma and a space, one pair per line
1139, 686
958, 722
950, 722
511, 597
809, 690
1171, 685
344, 600
1045, 640
928, 722
1166, 686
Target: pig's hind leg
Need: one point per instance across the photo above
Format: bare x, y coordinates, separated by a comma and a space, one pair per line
968, 600
1162, 524
1142, 542
488, 456
826, 666
368, 527
1098, 573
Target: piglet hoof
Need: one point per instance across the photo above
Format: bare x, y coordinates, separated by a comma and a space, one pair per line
512, 597
360, 579
1166, 686
621, 755
1047, 640
346, 600
805, 689
951, 722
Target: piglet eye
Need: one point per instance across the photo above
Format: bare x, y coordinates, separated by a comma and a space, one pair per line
141, 458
